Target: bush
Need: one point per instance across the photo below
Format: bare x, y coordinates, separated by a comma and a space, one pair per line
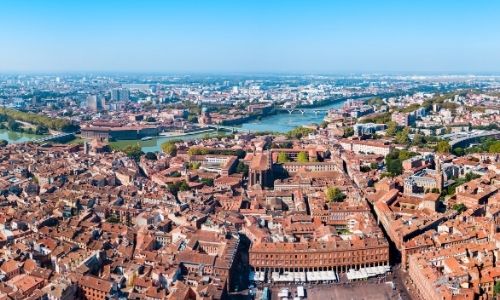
13, 125
194, 165
174, 188
348, 131
41, 129
496, 288
169, 148
133, 151
283, 158
207, 181
242, 168
151, 156
334, 194
459, 207
298, 132
175, 174
443, 147
364, 169
204, 151
302, 157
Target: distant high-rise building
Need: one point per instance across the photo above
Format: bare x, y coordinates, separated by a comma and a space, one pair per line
114, 94
92, 102
403, 119
120, 94
95, 103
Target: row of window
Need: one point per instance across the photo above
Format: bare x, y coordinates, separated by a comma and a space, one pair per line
363, 253
320, 262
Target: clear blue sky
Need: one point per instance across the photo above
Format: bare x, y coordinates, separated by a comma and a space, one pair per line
250, 36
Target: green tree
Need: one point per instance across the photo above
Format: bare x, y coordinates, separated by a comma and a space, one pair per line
197, 151
443, 147
418, 140
348, 131
405, 154
207, 181
377, 101
395, 167
151, 156
334, 194
3, 143
175, 174
113, 218
471, 176
458, 151
402, 137
298, 132
496, 288
393, 162
302, 157
13, 125
410, 108
392, 128
494, 148
393, 154
283, 158
183, 186
242, 168
173, 188
364, 169
381, 118
459, 207
240, 153
69, 127
192, 118
169, 148
41, 129
282, 145
194, 165
133, 151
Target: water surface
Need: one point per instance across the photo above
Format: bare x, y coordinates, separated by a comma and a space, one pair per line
17, 137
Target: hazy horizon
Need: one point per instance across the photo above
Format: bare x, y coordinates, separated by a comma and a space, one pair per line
254, 37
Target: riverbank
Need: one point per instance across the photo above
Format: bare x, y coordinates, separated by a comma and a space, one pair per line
35, 119
154, 144
250, 118
181, 134
276, 122
320, 104
277, 111
330, 101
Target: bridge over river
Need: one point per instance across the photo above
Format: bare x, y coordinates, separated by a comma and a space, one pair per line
465, 139
61, 138
303, 110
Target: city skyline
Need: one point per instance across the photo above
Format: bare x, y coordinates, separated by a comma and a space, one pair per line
257, 37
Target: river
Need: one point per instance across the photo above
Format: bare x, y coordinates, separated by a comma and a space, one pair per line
17, 137
281, 122
284, 122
